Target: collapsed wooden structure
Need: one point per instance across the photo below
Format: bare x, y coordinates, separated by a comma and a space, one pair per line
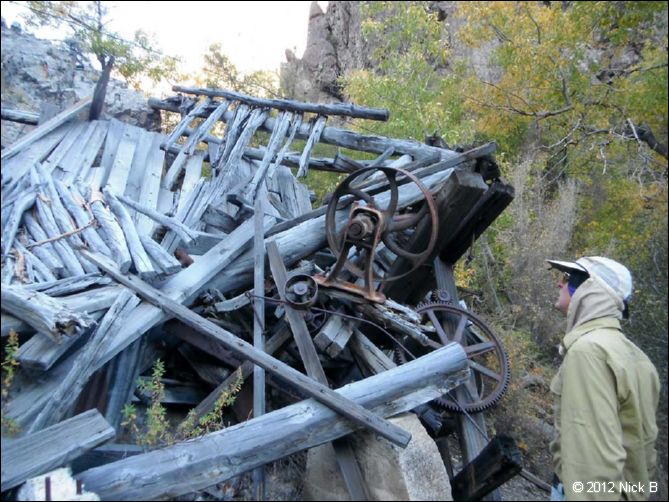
121, 245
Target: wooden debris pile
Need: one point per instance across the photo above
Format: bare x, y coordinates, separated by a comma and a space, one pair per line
201, 248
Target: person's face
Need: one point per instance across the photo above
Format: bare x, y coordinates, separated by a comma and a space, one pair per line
564, 299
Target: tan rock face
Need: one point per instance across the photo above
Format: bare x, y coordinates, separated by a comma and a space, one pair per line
391, 473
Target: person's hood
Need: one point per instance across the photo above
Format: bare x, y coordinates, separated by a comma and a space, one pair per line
592, 300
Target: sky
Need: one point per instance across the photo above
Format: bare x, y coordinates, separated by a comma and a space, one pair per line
254, 35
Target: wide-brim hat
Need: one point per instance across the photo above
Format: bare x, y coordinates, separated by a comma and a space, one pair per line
613, 274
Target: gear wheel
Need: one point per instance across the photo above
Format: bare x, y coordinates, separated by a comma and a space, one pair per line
487, 357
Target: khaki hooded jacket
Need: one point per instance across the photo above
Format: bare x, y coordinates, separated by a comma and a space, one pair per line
606, 397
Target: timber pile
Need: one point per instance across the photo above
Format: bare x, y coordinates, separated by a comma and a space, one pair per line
120, 246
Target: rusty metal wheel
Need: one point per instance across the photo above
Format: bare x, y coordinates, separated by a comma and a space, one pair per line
488, 359
393, 222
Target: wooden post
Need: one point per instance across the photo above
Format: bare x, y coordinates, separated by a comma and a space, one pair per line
258, 332
471, 428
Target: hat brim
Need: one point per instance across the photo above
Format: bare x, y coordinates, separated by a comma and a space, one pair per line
567, 266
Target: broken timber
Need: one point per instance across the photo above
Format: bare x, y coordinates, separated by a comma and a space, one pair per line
291, 376
221, 455
53, 447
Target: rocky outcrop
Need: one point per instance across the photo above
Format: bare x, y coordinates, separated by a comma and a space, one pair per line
335, 46
39, 74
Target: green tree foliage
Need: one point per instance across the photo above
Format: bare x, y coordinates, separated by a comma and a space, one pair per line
88, 23
408, 75
219, 72
588, 81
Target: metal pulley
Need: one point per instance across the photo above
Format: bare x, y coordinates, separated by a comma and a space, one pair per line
301, 291
374, 222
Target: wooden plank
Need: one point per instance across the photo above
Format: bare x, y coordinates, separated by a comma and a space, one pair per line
151, 184
114, 135
472, 433
69, 166
314, 137
258, 330
23, 203
295, 378
92, 148
499, 461
165, 473
192, 176
20, 116
53, 447
138, 167
111, 232
165, 262
45, 128
120, 169
73, 134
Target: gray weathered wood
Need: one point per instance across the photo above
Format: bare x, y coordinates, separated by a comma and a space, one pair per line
69, 166
314, 137
166, 262
185, 234
138, 167
112, 141
41, 352
25, 141
70, 284
47, 315
74, 204
221, 455
258, 330
119, 172
38, 234
89, 153
37, 264
20, 116
70, 387
185, 122
142, 262
111, 233
293, 377
24, 203
193, 173
53, 447
346, 109
72, 135
150, 185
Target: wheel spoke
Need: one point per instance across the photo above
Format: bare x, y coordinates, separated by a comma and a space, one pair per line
485, 371
362, 195
460, 329
437, 325
479, 348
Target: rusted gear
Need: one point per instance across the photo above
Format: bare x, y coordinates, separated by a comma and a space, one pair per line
487, 357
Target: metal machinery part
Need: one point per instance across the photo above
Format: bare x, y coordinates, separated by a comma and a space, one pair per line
488, 359
368, 226
301, 291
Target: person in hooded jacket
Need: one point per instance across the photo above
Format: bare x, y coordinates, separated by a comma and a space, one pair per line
606, 390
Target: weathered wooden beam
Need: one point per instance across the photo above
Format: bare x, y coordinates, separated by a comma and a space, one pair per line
35, 454
112, 233
498, 462
276, 367
22, 204
47, 315
259, 326
140, 258
20, 116
67, 392
314, 137
472, 434
186, 234
44, 129
221, 455
346, 109
344, 138
166, 262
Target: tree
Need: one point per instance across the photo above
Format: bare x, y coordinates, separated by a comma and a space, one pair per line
587, 79
88, 23
219, 72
